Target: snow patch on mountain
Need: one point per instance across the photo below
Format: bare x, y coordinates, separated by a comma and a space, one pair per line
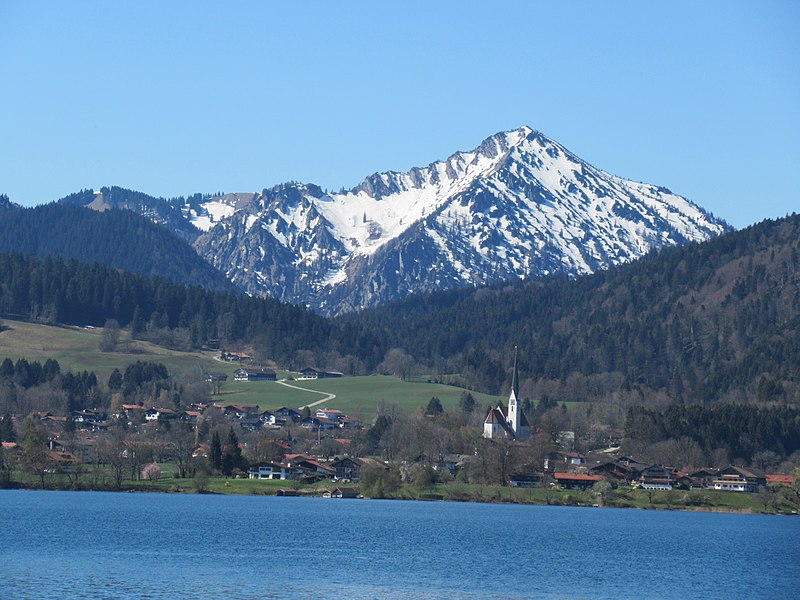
518, 205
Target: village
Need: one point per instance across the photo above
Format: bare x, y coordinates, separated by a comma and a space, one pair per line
324, 451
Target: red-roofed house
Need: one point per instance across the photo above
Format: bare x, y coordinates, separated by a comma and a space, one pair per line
576, 481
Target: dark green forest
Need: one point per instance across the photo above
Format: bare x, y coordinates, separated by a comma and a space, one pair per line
697, 323
52, 290
741, 432
118, 238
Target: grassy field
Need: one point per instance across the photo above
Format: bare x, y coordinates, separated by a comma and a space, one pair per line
77, 349
354, 395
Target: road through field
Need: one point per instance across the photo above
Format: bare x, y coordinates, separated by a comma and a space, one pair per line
325, 399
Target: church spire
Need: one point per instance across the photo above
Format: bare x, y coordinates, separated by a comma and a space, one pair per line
515, 377
514, 409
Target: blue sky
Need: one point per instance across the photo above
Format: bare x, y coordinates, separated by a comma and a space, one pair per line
172, 98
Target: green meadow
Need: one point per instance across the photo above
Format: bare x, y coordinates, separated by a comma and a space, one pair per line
77, 349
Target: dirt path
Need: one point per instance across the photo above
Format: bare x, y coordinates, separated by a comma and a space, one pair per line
325, 399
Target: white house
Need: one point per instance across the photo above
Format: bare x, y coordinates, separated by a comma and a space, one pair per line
269, 471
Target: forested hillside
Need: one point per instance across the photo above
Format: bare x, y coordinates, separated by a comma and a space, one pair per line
700, 323
119, 238
162, 211
704, 322
52, 290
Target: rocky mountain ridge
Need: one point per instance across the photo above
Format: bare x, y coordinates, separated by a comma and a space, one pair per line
518, 205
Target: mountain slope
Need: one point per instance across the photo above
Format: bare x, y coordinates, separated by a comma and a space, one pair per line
718, 320
118, 238
519, 205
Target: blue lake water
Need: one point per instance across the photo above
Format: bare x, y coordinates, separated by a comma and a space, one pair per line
154, 546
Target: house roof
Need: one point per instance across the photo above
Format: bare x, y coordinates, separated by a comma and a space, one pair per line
781, 479
330, 412
578, 477
740, 471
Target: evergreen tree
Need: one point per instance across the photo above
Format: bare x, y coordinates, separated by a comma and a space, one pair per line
115, 381
7, 432
466, 402
215, 452
434, 407
232, 456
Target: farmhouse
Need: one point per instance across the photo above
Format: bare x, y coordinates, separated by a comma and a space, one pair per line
312, 373
261, 374
234, 356
216, 377
240, 411
154, 414
351, 468
738, 479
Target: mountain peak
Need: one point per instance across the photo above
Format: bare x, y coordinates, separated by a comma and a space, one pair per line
517, 205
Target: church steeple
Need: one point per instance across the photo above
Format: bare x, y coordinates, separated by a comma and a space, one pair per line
514, 409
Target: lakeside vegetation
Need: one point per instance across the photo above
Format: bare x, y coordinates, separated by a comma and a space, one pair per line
768, 502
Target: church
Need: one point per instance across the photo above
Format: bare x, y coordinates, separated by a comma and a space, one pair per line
508, 422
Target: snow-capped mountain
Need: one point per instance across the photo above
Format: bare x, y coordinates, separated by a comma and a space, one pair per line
518, 205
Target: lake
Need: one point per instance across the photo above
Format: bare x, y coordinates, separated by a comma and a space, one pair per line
125, 545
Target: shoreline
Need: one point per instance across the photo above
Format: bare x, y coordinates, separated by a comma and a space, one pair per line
399, 495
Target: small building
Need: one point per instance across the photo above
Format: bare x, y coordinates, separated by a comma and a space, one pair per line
216, 377
341, 492
576, 481
261, 374
313, 373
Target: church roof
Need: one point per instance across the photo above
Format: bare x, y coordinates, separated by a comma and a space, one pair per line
496, 416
